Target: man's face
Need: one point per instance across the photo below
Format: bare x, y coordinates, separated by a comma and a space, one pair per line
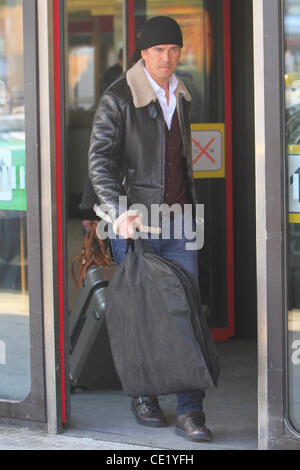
161, 61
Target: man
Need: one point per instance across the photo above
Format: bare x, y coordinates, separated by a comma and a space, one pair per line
141, 148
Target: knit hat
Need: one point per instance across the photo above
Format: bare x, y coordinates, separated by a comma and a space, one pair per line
160, 30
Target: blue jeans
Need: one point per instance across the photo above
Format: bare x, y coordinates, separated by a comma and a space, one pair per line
173, 248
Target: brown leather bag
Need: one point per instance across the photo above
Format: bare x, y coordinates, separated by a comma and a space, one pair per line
93, 252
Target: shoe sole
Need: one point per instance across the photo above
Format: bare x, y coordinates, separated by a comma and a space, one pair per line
182, 433
147, 423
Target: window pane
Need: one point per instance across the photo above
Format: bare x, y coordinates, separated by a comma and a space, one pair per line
201, 63
15, 377
93, 36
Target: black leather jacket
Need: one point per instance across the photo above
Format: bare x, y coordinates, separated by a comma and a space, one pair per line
127, 147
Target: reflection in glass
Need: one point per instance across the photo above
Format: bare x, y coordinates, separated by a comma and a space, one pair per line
94, 43
15, 376
94, 59
292, 100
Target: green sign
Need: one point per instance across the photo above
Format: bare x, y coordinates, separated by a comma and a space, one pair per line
13, 176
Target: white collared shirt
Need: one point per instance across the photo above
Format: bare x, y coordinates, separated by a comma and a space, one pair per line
167, 109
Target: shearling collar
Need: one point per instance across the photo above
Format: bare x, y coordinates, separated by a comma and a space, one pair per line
142, 92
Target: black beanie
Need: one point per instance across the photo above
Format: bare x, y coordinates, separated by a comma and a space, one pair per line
160, 30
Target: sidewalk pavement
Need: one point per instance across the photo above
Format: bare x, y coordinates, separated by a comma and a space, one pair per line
17, 438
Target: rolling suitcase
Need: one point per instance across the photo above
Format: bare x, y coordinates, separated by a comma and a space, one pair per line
91, 362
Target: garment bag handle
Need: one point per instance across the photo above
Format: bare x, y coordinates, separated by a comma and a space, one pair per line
136, 245
139, 244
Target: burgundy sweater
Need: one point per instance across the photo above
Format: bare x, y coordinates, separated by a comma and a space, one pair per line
174, 183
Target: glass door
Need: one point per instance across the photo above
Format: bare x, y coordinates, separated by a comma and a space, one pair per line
15, 375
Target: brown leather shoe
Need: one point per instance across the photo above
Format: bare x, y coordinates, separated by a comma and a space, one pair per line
148, 412
191, 425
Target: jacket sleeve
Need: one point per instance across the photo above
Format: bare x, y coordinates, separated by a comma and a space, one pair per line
105, 155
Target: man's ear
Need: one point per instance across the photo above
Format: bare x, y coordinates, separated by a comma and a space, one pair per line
144, 54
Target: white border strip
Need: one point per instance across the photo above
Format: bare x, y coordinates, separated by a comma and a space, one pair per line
48, 216
261, 226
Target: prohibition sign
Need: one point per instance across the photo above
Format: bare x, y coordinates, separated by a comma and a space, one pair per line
208, 151
204, 150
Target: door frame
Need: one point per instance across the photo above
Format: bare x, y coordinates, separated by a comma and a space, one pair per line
58, 26
219, 334
274, 429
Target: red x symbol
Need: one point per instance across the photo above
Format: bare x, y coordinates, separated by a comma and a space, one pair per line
204, 150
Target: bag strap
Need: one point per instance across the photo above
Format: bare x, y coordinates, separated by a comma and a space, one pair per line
89, 255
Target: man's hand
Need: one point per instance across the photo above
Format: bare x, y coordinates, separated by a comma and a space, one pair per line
127, 227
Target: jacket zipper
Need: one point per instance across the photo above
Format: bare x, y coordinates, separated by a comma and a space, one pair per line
162, 119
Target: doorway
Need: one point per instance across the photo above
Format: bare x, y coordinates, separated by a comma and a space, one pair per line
100, 40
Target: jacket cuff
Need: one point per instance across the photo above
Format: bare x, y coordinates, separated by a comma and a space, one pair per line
88, 214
